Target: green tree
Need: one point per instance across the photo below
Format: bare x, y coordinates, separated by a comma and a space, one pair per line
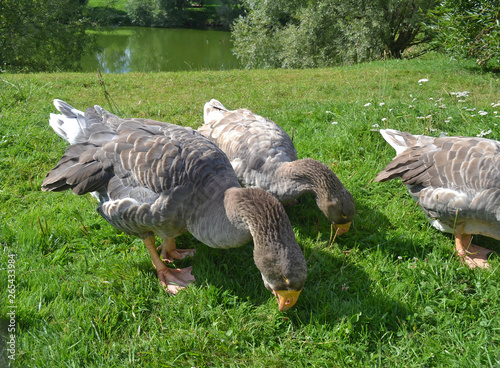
327, 32
42, 35
228, 11
157, 13
470, 30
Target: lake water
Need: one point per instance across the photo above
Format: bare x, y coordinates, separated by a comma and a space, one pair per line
139, 49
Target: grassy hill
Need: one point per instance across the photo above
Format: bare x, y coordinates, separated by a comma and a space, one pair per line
389, 293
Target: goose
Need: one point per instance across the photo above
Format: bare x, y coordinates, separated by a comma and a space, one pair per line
154, 178
263, 156
456, 182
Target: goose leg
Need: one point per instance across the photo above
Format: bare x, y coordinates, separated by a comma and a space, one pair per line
470, 254
169, 252
172, 279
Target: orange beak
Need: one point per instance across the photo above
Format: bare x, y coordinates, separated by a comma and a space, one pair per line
342, 228
286, 298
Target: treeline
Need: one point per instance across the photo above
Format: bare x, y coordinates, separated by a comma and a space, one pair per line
318, 33
184, 13
49, 35
43, 35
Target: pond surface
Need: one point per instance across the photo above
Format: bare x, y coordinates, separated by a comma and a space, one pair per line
139, 49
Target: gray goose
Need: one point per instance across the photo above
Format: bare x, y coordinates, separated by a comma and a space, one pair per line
154, 178
263, 156
456, 181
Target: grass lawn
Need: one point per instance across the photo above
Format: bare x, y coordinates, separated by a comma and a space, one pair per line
389, 293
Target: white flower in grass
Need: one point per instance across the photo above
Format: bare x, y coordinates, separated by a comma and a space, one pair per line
482, 113
384, 119
381, 104
460, 94
443, 106
495, 112
484, 132
335, 122
367, 104
473, 115
328, 112
495, 104
423, 80
375, 126
461, 100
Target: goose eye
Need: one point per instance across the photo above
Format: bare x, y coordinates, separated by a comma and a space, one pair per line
286, 280
344, 216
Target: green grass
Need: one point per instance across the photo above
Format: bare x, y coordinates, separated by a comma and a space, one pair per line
389, 293
120, 5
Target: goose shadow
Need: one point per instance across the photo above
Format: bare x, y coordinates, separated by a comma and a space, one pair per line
336, 290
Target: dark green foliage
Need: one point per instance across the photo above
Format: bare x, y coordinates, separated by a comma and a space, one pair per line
43, 35
327, 32
141, 12
182, 13
228, 11
471, 30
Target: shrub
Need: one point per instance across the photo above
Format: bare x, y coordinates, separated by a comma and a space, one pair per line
470, 30
43, 35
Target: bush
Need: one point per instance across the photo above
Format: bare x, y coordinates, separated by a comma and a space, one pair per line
470, 30
43, 35
157, 13
327, 32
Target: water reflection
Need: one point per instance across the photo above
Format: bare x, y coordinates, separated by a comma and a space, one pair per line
137, 49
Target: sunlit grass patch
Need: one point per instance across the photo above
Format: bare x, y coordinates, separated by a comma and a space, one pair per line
390, 292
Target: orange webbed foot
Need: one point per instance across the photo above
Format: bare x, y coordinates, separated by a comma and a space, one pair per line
175, 279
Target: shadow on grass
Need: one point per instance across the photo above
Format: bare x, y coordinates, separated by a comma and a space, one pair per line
338, 291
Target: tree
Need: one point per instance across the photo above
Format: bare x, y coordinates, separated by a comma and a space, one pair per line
470, 30
42, 35
327, 32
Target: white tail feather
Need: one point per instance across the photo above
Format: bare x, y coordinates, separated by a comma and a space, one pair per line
70, 125
395, 139
213, 111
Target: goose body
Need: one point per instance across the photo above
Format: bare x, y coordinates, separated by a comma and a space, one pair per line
263, 156
456, 182
154, 178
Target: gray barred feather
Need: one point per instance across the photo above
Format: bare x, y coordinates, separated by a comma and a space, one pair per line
158, 178
455, 180
263, 156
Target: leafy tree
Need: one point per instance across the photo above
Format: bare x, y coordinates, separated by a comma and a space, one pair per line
228, 11
42, 35
327, 32
141, 12
157, 13
470, 29
182, 13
